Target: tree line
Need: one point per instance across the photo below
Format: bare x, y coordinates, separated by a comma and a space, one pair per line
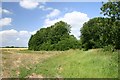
55, 37
96, 33
100, 32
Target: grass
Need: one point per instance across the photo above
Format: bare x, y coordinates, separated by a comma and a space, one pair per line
93, 63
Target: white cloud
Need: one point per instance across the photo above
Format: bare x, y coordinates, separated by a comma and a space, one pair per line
24, 33
18, 39
4, 11
33, 32
14, 37
45, 8
5, 22
0, 10
28, 4
11, 32
75, 19
54, 13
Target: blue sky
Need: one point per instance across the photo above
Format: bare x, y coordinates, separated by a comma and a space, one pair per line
22, 19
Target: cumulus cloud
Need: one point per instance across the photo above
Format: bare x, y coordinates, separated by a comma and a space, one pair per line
75, 19
24, 33
33, 32
15, 38
5, 21
4, 11
28, 4
18, 39
54, 13
42, 7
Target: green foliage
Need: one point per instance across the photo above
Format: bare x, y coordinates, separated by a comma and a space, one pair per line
111, 9
91, 33
56, 37
96, 33
68, 43
101, 32
116, 34
108, 48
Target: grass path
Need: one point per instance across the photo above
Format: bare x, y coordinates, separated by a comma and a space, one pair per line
69, 64
79, 64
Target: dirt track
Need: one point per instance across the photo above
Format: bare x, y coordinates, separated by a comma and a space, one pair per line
14, 59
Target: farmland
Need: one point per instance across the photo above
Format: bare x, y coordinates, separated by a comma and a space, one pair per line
59, 40
94, 63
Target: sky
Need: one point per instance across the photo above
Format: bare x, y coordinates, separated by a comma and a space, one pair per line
22, 19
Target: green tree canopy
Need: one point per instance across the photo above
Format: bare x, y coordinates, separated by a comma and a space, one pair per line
55, 37
100, 32
111, 9
91, 33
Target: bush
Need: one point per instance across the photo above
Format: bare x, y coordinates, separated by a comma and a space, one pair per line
109, 48
55, 37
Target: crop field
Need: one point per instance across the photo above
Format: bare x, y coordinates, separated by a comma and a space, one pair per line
23, 63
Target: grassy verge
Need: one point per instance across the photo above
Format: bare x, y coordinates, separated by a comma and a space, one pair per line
76, 64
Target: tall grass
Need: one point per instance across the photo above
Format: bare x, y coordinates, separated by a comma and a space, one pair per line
77, 64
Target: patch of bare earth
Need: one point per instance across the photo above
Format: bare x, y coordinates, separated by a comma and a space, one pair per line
33, 75
12, 61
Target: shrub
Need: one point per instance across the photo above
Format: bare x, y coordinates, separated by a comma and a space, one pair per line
55, 37
109, 48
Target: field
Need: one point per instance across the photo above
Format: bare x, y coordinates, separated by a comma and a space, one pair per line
94, 63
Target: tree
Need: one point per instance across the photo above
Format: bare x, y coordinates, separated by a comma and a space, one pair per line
111, 9
116, 34
96, 33
55, 37
100, 32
